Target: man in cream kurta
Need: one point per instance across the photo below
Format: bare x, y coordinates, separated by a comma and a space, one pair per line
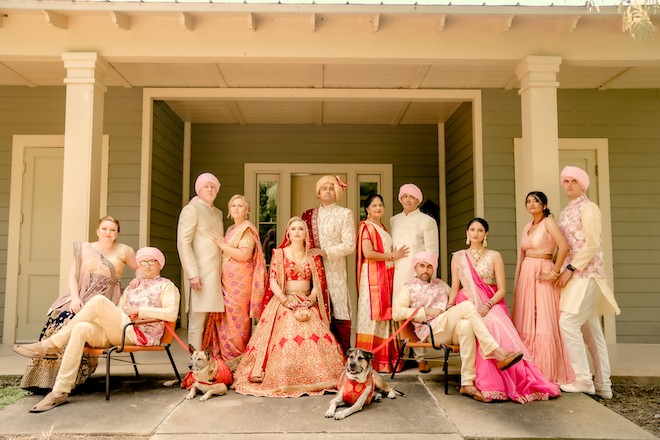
414, 229
585, 295
332, 230
200, 256
419, 232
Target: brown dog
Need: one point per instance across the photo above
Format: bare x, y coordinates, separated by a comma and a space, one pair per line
205, 371
358, 385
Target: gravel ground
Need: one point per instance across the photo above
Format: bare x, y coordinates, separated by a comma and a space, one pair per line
638, 402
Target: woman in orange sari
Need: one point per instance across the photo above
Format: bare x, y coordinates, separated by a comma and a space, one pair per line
375, 274
243, 279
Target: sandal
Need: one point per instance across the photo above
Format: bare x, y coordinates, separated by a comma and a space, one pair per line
49, 402
472, 391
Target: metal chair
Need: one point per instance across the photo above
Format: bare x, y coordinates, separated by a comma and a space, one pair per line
408, 339
165, 343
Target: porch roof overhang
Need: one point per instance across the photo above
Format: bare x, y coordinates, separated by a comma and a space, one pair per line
320, 45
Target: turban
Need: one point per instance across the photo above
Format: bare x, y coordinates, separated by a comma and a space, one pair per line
339, 184
412, 190
204, 178
150, 253
427, 257
576, 173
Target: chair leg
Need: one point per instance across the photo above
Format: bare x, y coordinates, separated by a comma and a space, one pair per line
445, 369
137, 373
107, 372
399, 357
176, 372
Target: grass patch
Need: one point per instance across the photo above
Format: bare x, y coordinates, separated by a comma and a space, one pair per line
10, 392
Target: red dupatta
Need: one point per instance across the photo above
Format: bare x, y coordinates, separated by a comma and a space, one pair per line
379, 276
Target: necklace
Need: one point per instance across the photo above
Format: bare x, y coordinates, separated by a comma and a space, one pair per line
298, 264
476, 254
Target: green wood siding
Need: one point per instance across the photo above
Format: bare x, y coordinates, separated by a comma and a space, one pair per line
166, 186
629, 119
223, 149
459, 170
41, 111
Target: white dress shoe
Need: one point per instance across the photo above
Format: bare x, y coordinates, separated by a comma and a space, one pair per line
604, 393
578, 387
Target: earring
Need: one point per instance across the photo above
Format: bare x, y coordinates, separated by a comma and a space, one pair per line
485, 242
467, 240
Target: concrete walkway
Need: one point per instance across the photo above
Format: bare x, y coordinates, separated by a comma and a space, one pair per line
144, 407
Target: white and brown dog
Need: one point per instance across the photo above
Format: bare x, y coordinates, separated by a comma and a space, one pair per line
205, 370
358, 385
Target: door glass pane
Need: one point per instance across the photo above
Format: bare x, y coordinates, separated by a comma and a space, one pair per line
369, 186
267, 216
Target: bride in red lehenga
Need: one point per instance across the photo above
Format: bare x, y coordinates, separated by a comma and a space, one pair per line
292, 351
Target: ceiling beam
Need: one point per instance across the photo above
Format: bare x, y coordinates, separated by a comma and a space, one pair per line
400, 112
220, 76
236, 110
124, 82
606, 85
312, 22
376, 22
442, 20
56, 20
252, 21
567, 24
120, 20
420, 75
506, 23
20, 77
318, 113
187, 21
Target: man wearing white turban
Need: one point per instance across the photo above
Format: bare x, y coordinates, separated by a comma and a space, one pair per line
419, 232
332, 236
585, 295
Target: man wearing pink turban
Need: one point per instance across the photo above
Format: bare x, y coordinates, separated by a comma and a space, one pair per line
200, 256
419, 232
332, 236
426, 297
585, 294
99, 323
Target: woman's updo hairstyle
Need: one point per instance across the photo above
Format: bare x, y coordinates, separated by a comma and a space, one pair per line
542, 198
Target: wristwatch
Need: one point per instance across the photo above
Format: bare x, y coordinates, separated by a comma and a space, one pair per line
571, 268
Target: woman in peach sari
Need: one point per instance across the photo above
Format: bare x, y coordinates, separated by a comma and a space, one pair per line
243, 279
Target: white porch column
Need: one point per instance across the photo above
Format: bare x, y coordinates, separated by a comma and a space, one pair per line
539, 159
83, 130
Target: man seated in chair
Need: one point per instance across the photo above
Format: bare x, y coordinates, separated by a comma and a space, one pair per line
452, 324
100, 323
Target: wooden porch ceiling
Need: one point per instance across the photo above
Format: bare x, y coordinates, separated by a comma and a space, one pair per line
311, 46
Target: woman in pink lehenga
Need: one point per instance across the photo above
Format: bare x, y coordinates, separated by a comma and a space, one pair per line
479, 272
292, 351
243, 279
536, 300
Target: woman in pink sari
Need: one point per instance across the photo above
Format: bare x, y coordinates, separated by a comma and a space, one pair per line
479, 274
243, 278
292, 351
